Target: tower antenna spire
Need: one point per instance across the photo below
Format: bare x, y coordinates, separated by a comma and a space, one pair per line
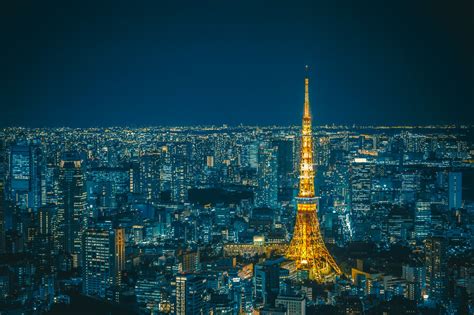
307, 112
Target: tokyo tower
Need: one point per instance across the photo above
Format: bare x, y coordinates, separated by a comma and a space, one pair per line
307, 247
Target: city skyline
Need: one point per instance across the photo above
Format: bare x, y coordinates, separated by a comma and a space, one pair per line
236, 220
199, 220
237, 158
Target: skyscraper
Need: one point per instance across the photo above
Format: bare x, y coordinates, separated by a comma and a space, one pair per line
103, 260
148, 292
436, 264
45, 219
20, 174
249, 156
26, 173
267, 282
37, 180
71, 206
415, 274
295, 305
267, 191
307, 247
119, 254
422, 220
285, 166
180, 152
2, 218
150, 165
190, 295
104, 186
190, 261
455, 190
361, 180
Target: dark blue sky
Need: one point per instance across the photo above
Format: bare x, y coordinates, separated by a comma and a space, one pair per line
102, 63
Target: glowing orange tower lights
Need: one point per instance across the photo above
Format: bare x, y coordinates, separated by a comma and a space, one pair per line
307, 247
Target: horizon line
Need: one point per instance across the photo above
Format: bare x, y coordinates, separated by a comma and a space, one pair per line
224, 125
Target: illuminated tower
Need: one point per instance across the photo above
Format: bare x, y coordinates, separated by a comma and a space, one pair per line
307, 247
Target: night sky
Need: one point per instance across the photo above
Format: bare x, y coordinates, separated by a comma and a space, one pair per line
147, 63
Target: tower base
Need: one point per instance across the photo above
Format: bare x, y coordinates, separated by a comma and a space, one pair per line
307, 247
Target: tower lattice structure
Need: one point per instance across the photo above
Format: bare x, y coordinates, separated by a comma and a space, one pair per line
307, 246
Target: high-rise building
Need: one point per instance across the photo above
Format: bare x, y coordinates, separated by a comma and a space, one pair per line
361, 178
415, 275
307, 246
119, 254
267, 282
71, 220
203, 161
294, 304
103, 260
323, 153
45, 219
249, 155
267, 191
399, 223
222, 215
410, 186
191, 295
150, 165
285, 165
2, 218
105, 185
134, 178
221, 304
422, 220
455, 190
180, 164
20, 174
3, 158
37, 181
51, 180
166, 169
360, 196
190, 261
26, 174
436, 264
148, 292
